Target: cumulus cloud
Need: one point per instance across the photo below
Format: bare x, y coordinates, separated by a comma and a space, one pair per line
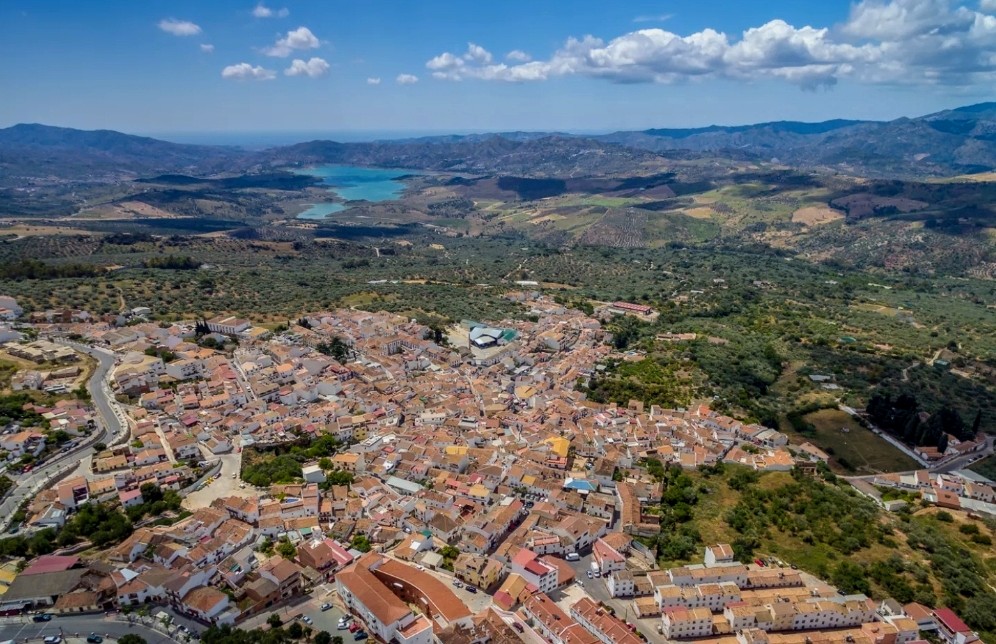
245, 71
312, 68
373, 80
179, 27
297, 39
207, 48
882, 41
406, 79
262, 11
519, 56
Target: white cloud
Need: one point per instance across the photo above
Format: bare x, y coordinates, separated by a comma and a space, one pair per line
519, 56
477, 54
245, 71
262, 11
179, 27
207, 48
297, 39
406, 79
661, 17
883, 41
373, 80
312, 68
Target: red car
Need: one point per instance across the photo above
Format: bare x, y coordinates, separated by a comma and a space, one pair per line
759, 562
354, 627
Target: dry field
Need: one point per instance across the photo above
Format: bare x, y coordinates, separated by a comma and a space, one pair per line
816, 215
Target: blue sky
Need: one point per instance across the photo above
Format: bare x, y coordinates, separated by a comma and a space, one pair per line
153, 66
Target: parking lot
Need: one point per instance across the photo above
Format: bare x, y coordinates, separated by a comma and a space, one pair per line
322, 620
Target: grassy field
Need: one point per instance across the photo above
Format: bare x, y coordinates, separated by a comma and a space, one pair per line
986, 467
856, 450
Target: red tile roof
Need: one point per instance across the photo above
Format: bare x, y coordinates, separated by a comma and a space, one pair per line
951, 621
50, 563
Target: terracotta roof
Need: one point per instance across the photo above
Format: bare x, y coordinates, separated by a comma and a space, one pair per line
370, 592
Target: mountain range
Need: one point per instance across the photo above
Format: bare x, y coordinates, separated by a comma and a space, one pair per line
948, 143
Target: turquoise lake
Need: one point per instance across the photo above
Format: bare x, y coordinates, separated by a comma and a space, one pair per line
354, 183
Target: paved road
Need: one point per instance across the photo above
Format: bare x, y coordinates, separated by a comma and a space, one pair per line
962, 462
22, 628
224, 485
111, 426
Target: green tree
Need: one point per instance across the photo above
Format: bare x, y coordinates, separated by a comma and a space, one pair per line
286, 549
850, 578
361, 542
322, 637
274, 621
131, 638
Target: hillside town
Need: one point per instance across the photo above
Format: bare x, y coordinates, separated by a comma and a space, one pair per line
456, 486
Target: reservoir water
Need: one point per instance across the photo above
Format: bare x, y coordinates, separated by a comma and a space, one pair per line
354, 183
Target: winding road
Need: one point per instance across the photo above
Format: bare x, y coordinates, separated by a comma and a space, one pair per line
23, 628
112, 426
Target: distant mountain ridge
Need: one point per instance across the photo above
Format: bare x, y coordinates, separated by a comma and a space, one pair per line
951, 142
31, 149
947, 143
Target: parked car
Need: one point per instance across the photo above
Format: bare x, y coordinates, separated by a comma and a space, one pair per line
53, 639
470, 589
354, 627
93, 638
42, 617
341, 626
590, 574
326, 606
517, 626
457, 583
362, 635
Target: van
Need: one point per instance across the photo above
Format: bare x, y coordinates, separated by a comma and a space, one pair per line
573, 556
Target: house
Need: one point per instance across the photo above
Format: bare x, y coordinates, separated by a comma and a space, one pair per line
535, 571
228, 325
477, 570
323, 555
313, 473
607, 558
210, 605
550, 621
73, 492
282, 573
718, 554
600, 623
952, 629
130, 498
680, 623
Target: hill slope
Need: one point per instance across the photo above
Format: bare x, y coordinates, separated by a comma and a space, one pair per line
957, 141
66, 153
